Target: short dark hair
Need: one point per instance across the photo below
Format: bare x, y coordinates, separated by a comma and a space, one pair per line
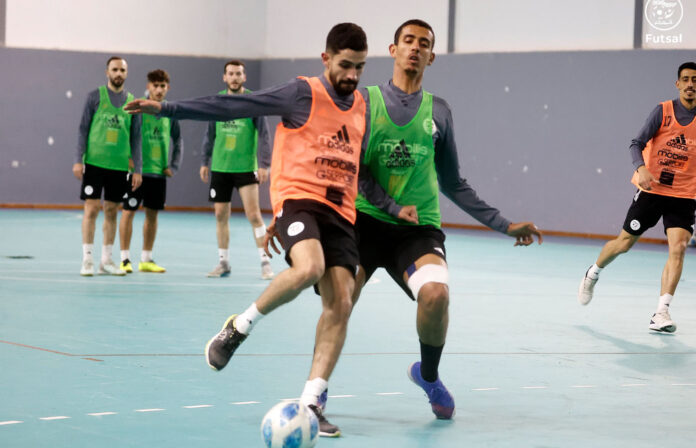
686, 65
233, 62
158, 76
346, 36
114, 58
417, 22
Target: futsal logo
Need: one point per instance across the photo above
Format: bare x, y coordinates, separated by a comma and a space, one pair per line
635, 225
339, 141
664, 15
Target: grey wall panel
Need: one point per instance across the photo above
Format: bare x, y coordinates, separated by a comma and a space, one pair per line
542, 136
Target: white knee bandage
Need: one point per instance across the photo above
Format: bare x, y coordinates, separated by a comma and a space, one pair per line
429, 273
260, 231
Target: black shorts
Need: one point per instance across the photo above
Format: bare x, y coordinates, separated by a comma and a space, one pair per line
305, 219
222, 184
152, 194
113, 182
647, 209
395, 247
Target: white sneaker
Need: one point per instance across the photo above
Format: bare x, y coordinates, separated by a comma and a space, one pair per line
221, 270
110, 268
586, 289
266, 271
87, 269
662, 322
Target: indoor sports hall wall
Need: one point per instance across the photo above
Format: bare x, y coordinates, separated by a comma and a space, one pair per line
543, 129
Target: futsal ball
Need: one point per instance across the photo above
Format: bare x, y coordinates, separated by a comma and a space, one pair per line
290, 425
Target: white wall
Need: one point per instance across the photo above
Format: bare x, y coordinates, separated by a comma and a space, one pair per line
543, 25
298, 28
223, 28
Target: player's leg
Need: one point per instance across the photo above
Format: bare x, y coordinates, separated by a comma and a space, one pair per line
427, 279
125, 233
250, 201
678, 219
643, 214
153, 201
220, 194
300, 235
131, 203
89, 222
90, 192
677, 240
307, 268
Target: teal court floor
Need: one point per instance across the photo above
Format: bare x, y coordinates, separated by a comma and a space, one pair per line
118, 362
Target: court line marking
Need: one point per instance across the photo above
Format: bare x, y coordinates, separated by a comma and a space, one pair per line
93, 356
55, 417
10, 422
198, 406
82, 281
99, 414
150, 410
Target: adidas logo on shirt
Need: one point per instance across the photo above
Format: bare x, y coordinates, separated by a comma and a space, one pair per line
400, 157
678, 143
339, 141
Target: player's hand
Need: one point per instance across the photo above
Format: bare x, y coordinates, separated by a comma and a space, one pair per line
168, 172
524, 233
408, 213
645, 178
263, 175
205, 174
77, 170
141, 106
271, 233
136, 181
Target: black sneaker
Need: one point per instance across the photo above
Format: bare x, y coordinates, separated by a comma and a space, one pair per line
326, 429
221, 347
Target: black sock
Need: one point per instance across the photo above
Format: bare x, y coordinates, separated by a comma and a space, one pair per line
430, 360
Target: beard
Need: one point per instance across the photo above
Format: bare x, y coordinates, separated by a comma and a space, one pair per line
117, 81
344, 88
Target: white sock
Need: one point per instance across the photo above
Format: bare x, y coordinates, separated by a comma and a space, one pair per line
107, 251
594, 271
146, 256
312, 390
246, 321
262, 255
663, 305
125, 255
87, 250
224, 255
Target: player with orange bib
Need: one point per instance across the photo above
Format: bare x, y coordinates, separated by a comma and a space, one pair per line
666, 181
314, 183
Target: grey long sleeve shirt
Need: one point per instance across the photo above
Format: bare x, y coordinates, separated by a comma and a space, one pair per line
683, 115
292, 101
91, 105
402, 107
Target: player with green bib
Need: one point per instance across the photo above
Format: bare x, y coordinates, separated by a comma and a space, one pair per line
410, 149
108, 138
158, 165
232, 153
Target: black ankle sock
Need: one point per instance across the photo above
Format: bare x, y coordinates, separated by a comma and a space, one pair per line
430, 360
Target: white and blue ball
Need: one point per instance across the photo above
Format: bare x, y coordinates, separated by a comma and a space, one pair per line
290, 425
